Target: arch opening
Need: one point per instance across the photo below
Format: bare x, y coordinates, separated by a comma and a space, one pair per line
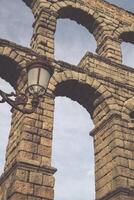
73, 36
128, 37
9, 73
132, 115
9, 70
5, 123
127, 47
78, 15
82, 93
73, 152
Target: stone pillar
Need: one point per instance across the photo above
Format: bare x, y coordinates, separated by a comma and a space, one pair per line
114, 165
28, 173
43, 36
110, 48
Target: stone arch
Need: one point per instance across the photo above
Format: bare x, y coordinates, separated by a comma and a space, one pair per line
127, 35
46, 18
80, 12
9, 70
125, 32
102, 103
10, 52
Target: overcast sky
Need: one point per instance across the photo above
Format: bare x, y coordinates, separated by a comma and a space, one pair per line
73, 148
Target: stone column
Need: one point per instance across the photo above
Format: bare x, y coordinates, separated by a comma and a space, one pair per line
114, 165
43, 36
28, 172
110, 48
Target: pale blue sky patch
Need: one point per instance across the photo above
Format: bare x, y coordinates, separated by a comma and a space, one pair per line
70, 32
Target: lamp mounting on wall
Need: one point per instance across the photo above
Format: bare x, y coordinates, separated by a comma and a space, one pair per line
39, 73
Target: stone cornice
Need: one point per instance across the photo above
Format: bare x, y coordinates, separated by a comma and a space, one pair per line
6, 43
107, 61
27, 50
79, 68
99, 127
92, 74
18, 165
119, 191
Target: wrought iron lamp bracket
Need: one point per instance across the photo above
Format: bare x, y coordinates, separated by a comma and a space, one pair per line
20, 101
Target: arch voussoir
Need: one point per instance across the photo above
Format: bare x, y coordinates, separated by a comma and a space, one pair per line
125, 29
107, 99
82, 77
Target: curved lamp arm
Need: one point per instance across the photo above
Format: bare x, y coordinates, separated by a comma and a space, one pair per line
21, 99
39, 72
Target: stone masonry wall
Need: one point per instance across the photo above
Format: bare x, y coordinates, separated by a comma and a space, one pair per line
108, 90
108, 24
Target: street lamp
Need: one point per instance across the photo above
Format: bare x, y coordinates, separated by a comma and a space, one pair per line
39, 73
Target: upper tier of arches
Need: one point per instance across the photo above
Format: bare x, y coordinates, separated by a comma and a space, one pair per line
106, 22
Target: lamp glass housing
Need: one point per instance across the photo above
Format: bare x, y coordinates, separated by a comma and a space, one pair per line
38, 79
